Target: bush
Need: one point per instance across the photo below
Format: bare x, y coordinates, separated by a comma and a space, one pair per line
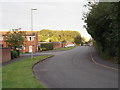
47, 46
43, 49
14, 54
18, 52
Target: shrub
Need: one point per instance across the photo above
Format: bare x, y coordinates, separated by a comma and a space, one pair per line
43, 49
47, 46
14, 54
18, 52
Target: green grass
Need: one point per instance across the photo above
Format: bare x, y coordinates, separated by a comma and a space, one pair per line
105, 56
108, 58
65, 48
19, 74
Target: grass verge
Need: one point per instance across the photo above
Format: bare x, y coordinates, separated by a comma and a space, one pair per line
105, 56
19, 74
65, 48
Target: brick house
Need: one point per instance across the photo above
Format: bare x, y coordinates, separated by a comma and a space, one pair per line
66, 43
30, 44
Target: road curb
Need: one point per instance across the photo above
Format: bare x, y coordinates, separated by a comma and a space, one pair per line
102, 65
33, 72
39, 62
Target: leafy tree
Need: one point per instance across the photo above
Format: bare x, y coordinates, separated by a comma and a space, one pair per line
57, 36
102, 23
14, 38
78, 40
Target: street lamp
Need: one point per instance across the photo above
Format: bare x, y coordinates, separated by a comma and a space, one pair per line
32, 26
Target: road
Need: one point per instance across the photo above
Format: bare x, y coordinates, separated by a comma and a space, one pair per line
74, 69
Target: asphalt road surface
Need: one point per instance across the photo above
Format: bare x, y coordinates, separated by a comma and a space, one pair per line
74, 69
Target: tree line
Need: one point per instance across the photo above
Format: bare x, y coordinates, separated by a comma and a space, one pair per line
15, 38
60, 36
103, 21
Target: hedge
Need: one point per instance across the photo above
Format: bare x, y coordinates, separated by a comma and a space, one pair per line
47, 46
14, 54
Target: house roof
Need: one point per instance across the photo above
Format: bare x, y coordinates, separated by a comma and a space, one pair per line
27, 33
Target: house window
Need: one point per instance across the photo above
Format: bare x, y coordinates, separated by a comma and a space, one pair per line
1, 38
30, 38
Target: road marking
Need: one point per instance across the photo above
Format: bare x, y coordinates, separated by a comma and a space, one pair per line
102, 64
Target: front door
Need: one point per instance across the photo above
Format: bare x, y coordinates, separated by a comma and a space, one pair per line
30, 48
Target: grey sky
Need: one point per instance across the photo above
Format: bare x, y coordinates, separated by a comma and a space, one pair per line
51, 14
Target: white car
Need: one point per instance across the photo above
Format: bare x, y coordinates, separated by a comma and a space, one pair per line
70, 45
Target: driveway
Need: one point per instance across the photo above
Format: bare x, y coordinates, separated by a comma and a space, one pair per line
74, 69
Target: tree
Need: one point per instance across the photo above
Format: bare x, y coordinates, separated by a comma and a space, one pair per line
14, 39
102, 23
78, 40
55, 36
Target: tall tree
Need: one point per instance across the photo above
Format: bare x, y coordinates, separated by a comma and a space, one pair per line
102, 24
78, 40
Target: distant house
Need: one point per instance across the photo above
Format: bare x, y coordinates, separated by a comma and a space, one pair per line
30, 44
67, 43
55, 44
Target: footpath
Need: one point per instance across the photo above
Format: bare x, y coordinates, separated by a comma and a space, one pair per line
100, 61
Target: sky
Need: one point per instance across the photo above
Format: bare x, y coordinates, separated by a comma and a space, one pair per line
50, 14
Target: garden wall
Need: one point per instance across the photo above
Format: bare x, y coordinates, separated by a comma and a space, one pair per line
5, 55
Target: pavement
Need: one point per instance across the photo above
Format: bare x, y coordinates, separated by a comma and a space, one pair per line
100, 61
75, 69
22, 56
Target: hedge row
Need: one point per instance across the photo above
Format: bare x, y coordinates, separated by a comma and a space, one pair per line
47, 46
14, 54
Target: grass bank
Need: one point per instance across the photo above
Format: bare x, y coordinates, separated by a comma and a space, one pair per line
19, 74
104, 55
65, 48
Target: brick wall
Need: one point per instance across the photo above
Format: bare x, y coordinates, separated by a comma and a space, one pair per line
64, 44
5, 55
57, 45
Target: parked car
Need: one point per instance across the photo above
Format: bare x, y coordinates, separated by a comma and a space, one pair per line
70, 45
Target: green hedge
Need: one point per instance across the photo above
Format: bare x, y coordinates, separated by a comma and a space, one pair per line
47, 46
14, 54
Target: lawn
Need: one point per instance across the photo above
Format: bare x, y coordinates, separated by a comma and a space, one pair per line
65, 48
19, 74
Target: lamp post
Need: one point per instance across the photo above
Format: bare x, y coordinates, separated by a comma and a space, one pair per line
32, 27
